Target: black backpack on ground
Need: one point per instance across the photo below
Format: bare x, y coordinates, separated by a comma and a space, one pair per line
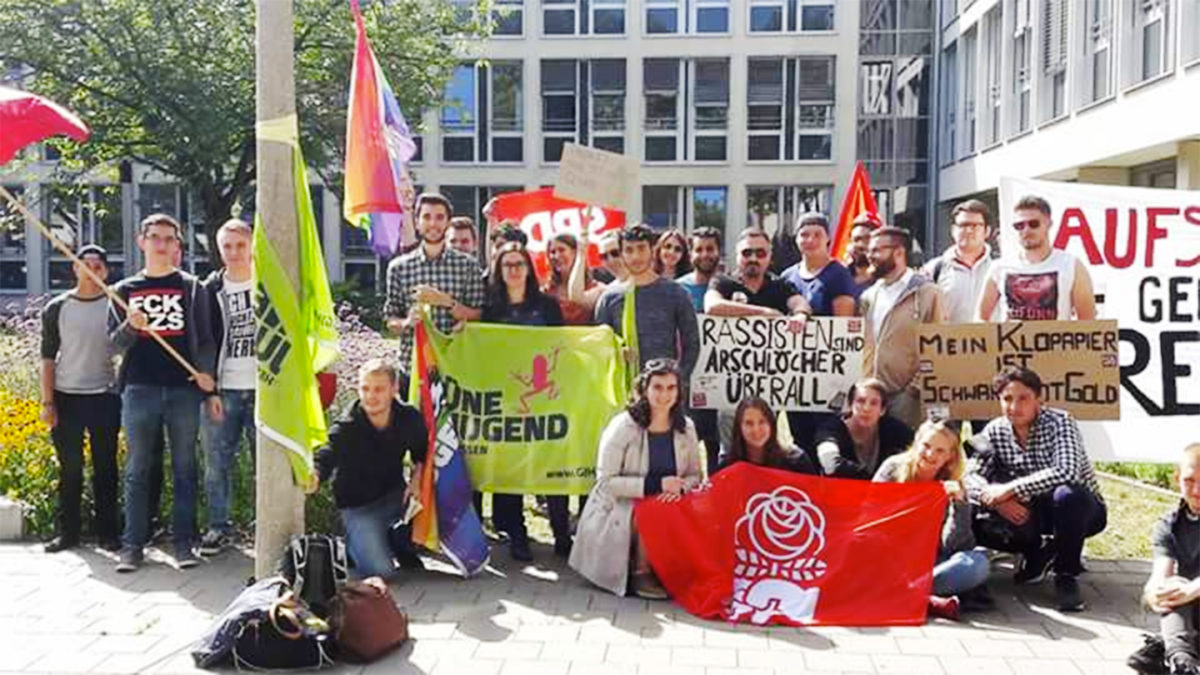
315, 566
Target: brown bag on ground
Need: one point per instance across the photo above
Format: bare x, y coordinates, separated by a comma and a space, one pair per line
366, 622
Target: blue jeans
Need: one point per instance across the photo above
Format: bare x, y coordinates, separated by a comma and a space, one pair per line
367, 534
960, 571
221, 443
145, 409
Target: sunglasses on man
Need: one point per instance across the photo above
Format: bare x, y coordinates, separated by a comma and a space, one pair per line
1032, 224
753, 253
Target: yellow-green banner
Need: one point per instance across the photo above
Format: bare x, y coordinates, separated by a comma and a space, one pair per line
529, 404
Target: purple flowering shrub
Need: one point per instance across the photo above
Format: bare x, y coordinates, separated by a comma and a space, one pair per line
359, 343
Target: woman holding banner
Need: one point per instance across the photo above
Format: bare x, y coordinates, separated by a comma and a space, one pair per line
936, 454
756, 440
672, 259
854, 445
570, 281
649, 450
513, 298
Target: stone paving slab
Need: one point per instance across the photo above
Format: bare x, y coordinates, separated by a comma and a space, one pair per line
72, 613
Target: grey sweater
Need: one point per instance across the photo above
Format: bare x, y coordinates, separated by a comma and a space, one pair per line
666, 321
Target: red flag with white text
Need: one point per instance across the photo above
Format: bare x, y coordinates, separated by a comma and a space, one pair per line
542, 216
766, 546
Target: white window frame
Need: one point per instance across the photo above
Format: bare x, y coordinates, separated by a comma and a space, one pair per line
679, 7
446, 132
694, 16
597, 5
1022, 75
782, 103
994, 77
519, 131
680, 205
949, 96
791, 202
786, 19
970, 95
1189, 33
1054, 85
515, 7
830, 122
649, 132
572, 136
782, 5
694, 130
1098, 44
572, 7
593, 131
1145, 14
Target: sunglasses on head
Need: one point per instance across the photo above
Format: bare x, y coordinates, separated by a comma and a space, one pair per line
1032, 224
753, 253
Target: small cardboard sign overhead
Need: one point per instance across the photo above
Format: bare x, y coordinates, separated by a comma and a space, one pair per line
596, 177
1076, 360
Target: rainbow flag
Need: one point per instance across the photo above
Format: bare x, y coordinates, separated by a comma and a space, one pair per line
379, 145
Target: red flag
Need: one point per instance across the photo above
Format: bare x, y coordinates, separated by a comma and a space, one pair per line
27, 118
766, 546
542, 216
858, 200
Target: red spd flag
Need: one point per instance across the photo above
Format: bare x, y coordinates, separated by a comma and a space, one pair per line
765, 546
542, 216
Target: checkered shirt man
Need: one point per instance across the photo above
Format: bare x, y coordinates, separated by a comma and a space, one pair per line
452, 272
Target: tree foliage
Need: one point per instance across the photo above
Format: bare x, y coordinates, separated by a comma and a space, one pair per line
170, 83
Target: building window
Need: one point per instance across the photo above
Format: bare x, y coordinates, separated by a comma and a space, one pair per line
949, 97
90, 215
969, 79
790, 16
459, 115
992, 48
1097, 66
1053, 90
583, 17
1189, 17
600, 84
474, 91
1022, 84
505, 111
802, 87
13, 276
508, 18
674, 17
663, 103
685, 208
771, 207
710, 106
1150, 37
697, 121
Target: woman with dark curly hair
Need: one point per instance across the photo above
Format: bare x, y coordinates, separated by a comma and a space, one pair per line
648, 450
756, 440
672, 259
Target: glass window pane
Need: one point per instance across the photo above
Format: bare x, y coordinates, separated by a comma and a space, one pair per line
912, 138
764, 147
816, 78
458, 149
661, 111
558, 21
610, 143
12, 225
710, 148
552, 148
608, 21
662, 20
13, 276
814, 147
708, 207
106, 215
660, 206
916, 43
712, 20
877, 44
877, 15
507, 149
507, 23
766, 19
608, 75
762, 207
875, 138
361, 274
660, 148
712, 81
819, 17
355, 241
157, 198
916, 14
608, 112
558, 113
458, 115
765, 118
558, 76
710, 117
765, 81
506, 96
660, 74
60, 275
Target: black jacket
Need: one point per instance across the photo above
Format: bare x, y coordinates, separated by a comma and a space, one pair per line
368, 463
894, 438
791, 459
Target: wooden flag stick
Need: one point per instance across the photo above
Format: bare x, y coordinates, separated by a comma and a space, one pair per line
112, 295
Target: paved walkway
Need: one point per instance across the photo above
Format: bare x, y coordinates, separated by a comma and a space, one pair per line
71, 612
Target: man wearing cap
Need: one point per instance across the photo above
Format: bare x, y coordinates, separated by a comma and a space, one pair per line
79, 395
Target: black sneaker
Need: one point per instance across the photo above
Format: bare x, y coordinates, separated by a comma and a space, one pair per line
131, 560
60, 543
213, 542
185, 559
1066, 594
1034, 567
1150, 658
519, 550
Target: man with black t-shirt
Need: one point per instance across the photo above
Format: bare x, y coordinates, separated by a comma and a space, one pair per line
156, 390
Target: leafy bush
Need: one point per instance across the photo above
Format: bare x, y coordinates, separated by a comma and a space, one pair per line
1162, 475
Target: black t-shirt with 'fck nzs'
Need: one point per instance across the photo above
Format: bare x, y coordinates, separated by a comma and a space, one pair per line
164, 300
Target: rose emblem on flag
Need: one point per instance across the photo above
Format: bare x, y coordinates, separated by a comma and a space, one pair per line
776, 543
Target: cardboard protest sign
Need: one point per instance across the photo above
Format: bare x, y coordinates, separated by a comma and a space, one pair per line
596, 177
794, 365
542, 216
1142, 249
1077, 361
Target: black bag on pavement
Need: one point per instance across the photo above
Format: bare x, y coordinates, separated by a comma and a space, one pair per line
315, 566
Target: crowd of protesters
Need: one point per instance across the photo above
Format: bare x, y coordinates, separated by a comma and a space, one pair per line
1022, 483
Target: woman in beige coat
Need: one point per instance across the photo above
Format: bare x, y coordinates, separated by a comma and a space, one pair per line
649, 449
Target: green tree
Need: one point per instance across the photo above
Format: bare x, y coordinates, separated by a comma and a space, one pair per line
170, 83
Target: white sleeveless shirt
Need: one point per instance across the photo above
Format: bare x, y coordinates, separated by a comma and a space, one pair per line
1035, 292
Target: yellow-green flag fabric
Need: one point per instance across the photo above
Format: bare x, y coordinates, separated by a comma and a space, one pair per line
296, 330
528, 404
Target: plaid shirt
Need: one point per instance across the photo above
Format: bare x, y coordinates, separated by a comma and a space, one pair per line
452, 272
1054, 456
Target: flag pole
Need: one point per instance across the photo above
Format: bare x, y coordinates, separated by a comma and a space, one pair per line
279, 503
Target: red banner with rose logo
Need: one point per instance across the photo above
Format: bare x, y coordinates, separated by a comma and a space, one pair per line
766, 546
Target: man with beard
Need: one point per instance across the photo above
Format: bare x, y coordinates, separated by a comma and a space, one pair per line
752, 290
432, 273
706, 260
856, 254
1040, 283
663, 314
894, 308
